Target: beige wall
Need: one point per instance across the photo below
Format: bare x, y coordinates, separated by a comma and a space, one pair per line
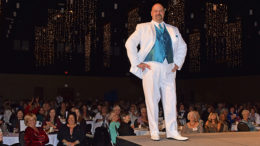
15, 87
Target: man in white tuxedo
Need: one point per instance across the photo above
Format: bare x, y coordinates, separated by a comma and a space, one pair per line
162, 52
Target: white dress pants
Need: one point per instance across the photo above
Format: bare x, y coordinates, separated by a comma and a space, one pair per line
159, 82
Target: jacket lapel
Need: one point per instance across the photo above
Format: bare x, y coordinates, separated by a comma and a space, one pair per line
171, 33
153, 31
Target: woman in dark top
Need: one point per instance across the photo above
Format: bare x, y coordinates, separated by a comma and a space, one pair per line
62, 112
70, 133
15, 121
34, 136
125, 129
40, 115
52, 122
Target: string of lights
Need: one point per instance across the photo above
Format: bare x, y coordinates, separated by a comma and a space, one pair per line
194, 51
87, 52
133, 20
223, 39
107, 45
176, 14
66, 28
91, 28
234, 44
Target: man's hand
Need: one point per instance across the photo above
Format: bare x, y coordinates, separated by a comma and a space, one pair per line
175, 68
143, 66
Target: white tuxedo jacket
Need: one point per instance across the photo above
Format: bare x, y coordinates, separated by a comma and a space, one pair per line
145, 35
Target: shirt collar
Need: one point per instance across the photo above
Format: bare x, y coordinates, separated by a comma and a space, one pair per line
157, 24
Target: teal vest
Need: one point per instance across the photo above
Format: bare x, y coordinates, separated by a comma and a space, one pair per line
162, 48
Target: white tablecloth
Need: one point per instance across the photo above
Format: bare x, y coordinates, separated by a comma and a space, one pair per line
139, 132
13, 138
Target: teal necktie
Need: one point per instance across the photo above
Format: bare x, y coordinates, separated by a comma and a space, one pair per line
160, 27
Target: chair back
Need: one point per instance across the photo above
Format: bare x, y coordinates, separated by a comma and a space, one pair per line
21, 138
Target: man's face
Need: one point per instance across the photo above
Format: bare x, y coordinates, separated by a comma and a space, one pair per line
157, 13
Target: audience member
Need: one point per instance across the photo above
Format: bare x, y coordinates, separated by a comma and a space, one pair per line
125, 128
182, 115
142, 121
101, 118
52, 122
33, 106
34, 136
40, 115
133, 112
70, 133
15, 121
223, 125
232, 116
245, 115
193, 126
80, 121
211, 125
62, 112
113, 126
254, 116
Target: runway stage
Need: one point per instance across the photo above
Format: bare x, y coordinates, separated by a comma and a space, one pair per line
203, 139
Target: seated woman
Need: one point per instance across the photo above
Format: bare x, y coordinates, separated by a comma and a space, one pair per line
211, 125
113, 126
254, 116
125, 128
142, 121
232, 116
85, 113
117, 111
80, 121
70, 133
15, 121
62, 112
3, 125
33, 135
52, 122
223, 125
101, 118
40, 115
193, 126
245, 115
133, 114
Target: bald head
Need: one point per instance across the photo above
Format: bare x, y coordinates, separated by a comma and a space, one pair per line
158, 12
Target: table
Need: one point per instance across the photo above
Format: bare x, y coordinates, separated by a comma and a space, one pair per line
12, 138
139, 131
142, 131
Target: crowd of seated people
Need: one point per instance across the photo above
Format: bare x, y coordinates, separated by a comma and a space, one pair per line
219, 118
73, 120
